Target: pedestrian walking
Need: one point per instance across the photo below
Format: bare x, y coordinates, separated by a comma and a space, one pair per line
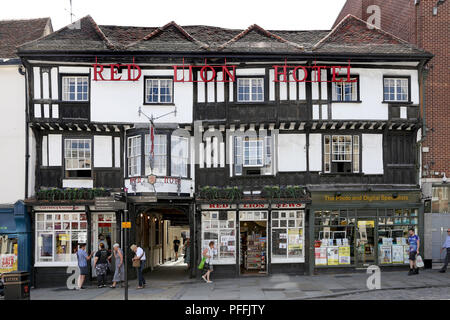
208, 253
119, 273
187, 253
446, 246
139, 262
176, 245
82, 258
101, 265
414, 246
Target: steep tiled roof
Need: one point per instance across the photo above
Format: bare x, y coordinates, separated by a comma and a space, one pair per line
167, 38
351, 36
256, 38
16, 32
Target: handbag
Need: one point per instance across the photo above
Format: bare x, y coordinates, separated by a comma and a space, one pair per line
136, 263
202, 264
419, 262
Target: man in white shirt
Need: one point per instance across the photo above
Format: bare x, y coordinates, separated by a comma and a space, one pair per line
140, 255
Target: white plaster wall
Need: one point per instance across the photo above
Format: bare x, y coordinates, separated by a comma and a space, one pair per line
102, 151
371, 95
291, 152
315, 152
54, 150
372, 153
12, 135
118, 101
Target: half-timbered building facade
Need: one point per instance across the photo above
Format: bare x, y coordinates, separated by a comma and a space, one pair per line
293, 151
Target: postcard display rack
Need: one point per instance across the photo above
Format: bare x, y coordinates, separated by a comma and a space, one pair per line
255, 257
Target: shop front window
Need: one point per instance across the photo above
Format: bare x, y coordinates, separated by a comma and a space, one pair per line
58, 236
393, 225
8, 254
334, 237
220, 227
287, 236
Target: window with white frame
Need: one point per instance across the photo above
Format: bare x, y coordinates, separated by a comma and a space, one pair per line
287, 236
250, 89
58, 235
75, 88
77, 157
220, 227
179, 156
345, 90
341, 153
396, 89
134, 156
159, 155
158, 91
252, 155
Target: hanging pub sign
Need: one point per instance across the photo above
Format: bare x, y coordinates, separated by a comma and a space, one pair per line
221, 73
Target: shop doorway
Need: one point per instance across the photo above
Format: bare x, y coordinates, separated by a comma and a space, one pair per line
365, 243
253, 247
103, 231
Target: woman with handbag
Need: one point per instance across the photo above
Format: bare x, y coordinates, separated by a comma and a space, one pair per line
119, 272
139, 263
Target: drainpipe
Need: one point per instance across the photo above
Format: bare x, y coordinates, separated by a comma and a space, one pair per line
423, 75
27, 154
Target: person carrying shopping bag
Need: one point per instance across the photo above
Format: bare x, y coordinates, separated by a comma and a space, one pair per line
208, 253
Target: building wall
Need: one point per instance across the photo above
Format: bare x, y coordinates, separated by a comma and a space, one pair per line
417, 24
12, 134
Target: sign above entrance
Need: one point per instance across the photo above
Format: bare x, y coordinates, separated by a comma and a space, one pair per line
365, 197
253, 206
59, 208
217, 206
288, 205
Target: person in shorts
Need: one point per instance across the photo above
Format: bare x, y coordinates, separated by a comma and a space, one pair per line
414, 245
176, 246
208, 253
83, 258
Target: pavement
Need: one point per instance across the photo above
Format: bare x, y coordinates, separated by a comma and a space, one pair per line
171, 282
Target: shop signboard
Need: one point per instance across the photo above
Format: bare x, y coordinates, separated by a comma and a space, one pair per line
365, 197
59, 208
321, 256
253, 206
333, 256
288, 205
344, 255
217, 206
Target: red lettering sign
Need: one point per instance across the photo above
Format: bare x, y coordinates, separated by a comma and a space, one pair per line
219, 206
134, 72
